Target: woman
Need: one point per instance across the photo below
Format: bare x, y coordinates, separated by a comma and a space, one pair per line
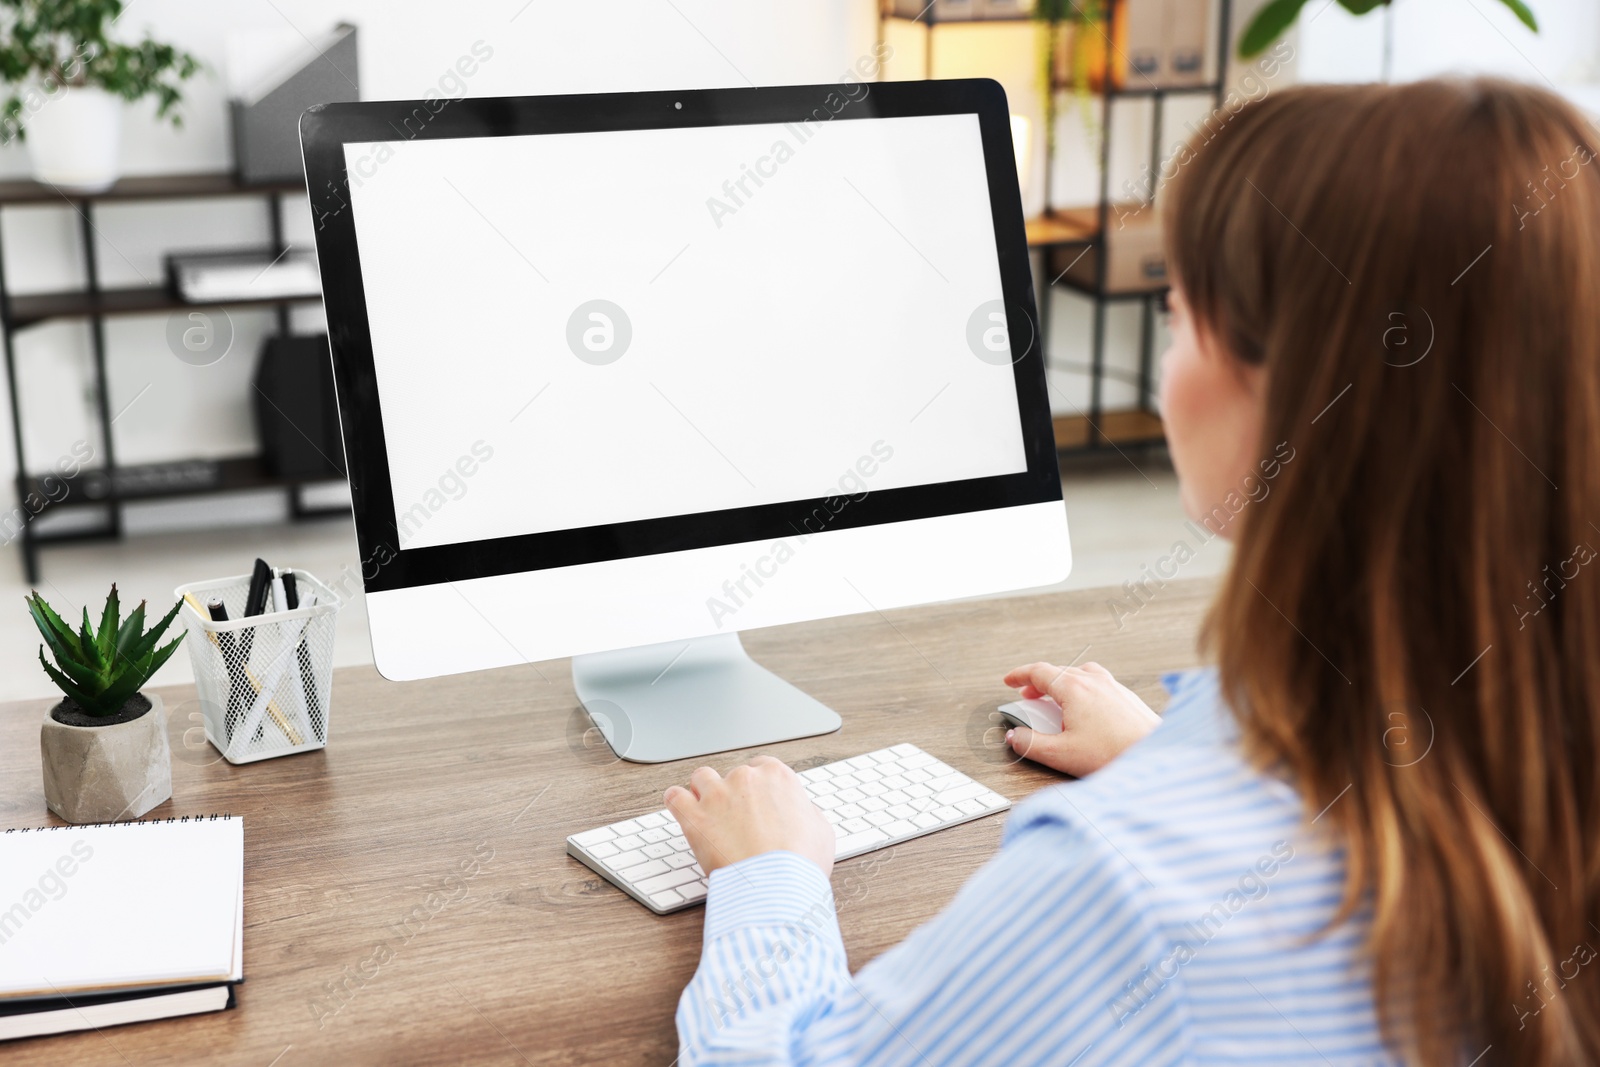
1368, 835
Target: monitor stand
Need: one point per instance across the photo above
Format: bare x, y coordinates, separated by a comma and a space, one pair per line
672, 701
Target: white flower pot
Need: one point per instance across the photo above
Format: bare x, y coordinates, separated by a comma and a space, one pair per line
74, 139
106, 773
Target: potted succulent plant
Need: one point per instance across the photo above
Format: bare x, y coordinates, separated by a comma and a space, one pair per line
68, 81
105, 749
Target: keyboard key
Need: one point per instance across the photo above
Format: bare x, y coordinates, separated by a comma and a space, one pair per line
647, 869
846, 781
855, 842
821, 789
653, 835
917, 774
899, 828
679, 844
593, 837
855, 826
623, 860
850, 811
945, 813
867, 774
670, 880
826, 803
993, 802
896, 781
629, 841
878, 818
816, 774
693, 891
924, 820
917, 789
654, 819
902, 811
873, 789
972, 807
905, 750
658, 851
629, 827
683, 859
603, 849
849, 796
894, 796
873, 803
959, 793
666, 899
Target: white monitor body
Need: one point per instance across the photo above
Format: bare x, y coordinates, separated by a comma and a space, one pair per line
608, 393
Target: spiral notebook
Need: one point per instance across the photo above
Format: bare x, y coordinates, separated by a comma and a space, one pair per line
119, 922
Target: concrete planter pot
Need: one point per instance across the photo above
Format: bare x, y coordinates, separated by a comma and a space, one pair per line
106, 773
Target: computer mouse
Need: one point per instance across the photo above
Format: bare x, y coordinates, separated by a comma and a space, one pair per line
1041, 714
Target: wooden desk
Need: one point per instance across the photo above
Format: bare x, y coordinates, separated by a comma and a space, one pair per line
366, 943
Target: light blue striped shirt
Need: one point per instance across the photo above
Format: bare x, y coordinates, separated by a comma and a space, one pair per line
1161, 911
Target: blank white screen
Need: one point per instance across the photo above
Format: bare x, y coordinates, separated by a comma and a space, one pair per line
776, 338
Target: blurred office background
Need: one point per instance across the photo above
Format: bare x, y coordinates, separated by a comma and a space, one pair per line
172, 419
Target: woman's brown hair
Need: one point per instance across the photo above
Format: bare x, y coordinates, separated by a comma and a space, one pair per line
1411, 624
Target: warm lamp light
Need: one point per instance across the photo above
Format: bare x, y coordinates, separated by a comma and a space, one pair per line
1022, 144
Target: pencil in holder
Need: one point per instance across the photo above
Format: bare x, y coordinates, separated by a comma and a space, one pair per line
264, 681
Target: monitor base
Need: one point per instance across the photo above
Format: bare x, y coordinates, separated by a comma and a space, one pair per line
681, 699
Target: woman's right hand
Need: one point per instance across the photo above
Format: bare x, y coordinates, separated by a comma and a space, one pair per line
1100, 717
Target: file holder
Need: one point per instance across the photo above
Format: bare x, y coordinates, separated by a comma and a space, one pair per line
264, 681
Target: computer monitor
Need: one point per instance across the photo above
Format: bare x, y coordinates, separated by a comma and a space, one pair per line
623, 375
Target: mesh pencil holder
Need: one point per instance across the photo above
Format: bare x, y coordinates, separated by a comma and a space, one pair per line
264, 681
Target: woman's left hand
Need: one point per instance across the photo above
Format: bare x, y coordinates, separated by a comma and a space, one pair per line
760, 807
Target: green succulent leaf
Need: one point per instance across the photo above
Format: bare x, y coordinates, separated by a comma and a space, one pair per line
1360, 7
91, 650
110, 617
131, 629
139, 647
67, 685
49, 623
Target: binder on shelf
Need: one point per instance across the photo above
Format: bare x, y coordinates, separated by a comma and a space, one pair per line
1146, 46
1188, 25
267, 100
214, 277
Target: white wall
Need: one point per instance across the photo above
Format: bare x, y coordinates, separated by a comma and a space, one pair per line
1434, 37
539, 46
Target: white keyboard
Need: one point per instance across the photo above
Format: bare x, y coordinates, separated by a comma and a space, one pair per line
873, 801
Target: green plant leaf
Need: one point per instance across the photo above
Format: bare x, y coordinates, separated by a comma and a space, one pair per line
140, 647
1268, 25
45, 617
1524, 14
110, 617
67, 686
131, 629
1360, 7
133, 678
91, 651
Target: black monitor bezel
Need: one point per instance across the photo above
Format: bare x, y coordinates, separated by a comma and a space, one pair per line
386, 566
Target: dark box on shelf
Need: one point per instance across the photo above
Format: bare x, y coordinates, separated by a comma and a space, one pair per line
297, 418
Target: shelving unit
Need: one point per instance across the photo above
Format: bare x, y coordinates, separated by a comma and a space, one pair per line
1071, 244
109, 486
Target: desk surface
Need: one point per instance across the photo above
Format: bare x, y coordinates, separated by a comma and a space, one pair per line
364, 940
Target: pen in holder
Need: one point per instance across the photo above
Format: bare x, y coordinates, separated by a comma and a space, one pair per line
264, 680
